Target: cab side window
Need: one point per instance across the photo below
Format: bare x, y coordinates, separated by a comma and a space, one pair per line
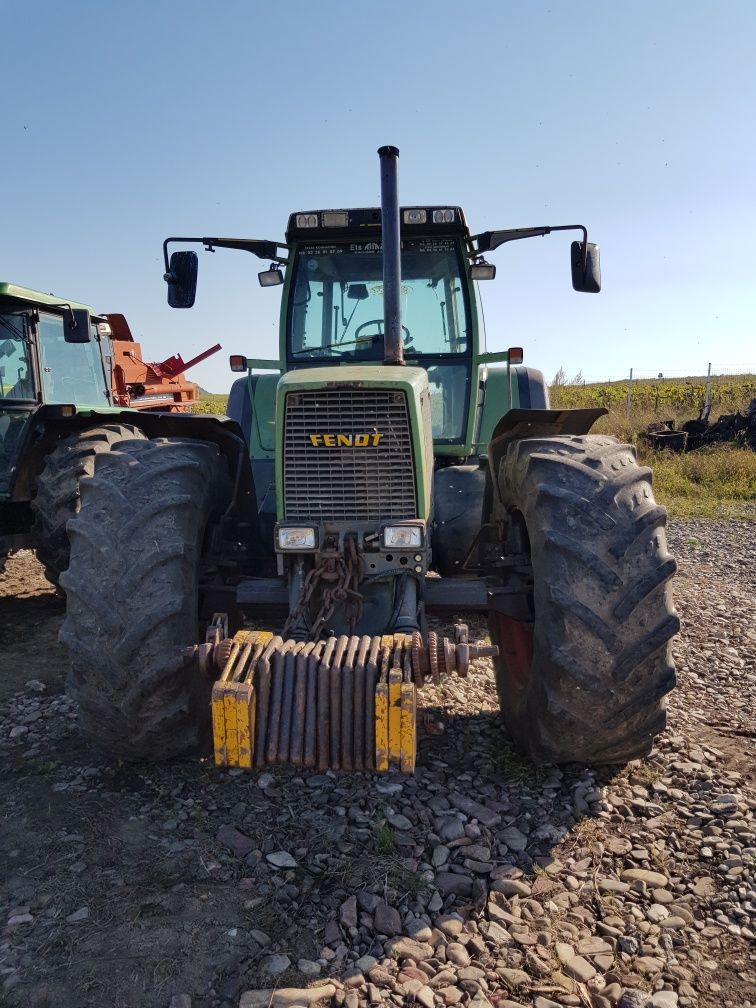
71, 372
16, 379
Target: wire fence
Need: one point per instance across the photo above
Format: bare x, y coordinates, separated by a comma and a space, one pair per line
727, 388
717, 371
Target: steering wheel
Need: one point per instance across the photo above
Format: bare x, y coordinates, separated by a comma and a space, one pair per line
378, 322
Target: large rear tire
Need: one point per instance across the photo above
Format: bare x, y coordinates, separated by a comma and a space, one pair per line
585, 680
56, 490
132, 598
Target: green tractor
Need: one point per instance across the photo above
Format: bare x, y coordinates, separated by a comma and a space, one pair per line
384, 468
56, 416
58, 413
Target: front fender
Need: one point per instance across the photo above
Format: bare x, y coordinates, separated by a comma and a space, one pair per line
531, 423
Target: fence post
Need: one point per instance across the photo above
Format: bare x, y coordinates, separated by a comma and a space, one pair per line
707, 397
630, 394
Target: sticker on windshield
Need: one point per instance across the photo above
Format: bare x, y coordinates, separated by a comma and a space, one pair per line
320, 250
436, 245
369, 248
377, 289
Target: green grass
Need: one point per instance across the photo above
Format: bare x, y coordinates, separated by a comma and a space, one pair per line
714, 482
384, 839
515, 769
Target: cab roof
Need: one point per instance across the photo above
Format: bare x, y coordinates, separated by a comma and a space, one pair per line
364, 222
29, 296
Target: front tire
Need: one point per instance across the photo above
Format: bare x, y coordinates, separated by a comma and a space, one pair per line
132, 599
56, 490
585, 680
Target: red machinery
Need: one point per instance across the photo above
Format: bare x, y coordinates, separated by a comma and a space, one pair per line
150, 386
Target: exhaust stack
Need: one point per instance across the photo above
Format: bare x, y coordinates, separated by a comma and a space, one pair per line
393, 352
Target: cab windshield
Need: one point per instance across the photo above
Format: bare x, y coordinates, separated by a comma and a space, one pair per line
336, 316
336, 301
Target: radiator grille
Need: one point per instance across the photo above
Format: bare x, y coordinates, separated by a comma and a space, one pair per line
373, 483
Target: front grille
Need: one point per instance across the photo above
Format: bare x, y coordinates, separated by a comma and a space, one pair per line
364, 484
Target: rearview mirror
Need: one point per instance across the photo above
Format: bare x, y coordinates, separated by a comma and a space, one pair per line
358, 292
483, 271
182, 279
586, 267
76, 325
270, 277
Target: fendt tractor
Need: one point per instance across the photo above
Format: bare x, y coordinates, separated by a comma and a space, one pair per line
65, 376
384, 468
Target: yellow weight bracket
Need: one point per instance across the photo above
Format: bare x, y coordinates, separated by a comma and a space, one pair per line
232, 738
408, 727
233, 702
395, 716
395, 723
381, 726
245, 723
233, 718
220, 751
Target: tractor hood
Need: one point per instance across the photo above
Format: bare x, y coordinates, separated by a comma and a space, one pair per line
350, 394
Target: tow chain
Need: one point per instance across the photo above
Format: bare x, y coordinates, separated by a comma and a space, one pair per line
341, 577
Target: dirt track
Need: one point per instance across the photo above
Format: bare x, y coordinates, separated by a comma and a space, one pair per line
119, 889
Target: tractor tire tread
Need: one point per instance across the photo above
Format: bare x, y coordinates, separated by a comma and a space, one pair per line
604, 615
56, 495
132, 606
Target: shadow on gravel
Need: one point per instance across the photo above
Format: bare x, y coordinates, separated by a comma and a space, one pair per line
147, 880
26, 611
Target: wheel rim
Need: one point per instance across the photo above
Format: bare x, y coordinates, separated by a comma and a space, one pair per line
516, 650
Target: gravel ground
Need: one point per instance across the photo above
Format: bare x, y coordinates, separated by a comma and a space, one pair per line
478, 881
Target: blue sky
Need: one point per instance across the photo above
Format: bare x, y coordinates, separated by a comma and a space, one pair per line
125, 123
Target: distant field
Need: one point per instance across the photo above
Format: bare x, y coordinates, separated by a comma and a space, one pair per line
209, 403
711, 483
728, 394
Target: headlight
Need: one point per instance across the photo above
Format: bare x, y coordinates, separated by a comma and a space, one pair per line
415, 216
335, 218
307, 220
402, 536
445, 216
296, 538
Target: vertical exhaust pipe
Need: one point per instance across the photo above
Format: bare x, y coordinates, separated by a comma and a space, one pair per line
393, 349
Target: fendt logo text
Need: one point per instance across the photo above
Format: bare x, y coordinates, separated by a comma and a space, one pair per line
345, 440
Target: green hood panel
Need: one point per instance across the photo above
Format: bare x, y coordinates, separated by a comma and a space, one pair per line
364, 376
413, 382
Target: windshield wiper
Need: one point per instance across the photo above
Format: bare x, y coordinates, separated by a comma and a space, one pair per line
10, 328
330, 346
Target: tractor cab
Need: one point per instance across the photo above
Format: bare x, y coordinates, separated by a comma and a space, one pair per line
51, 353
333, 301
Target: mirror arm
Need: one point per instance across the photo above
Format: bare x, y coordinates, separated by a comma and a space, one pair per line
487, 241
262, 249
67, 307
